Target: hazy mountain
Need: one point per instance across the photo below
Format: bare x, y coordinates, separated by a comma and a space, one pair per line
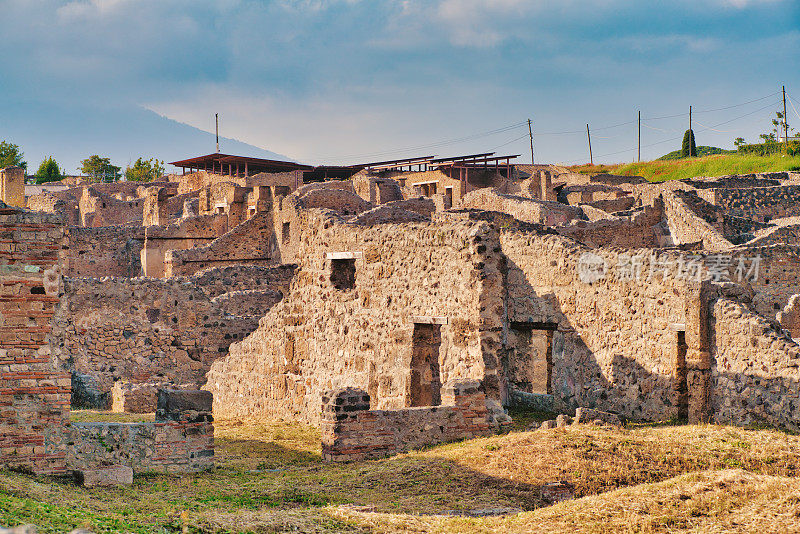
71, 133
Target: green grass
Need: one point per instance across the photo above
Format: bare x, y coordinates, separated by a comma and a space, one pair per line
269, 477
717, 165
679, 169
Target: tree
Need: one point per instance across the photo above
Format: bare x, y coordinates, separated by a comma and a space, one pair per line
100, 169
688, 148
48, 171
145, 170
11, 156
739, 141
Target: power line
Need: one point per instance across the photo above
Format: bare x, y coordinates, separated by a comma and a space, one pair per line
511, 127
791, 103
677, 138
437, 144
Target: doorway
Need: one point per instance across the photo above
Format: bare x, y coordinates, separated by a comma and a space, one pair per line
425, 386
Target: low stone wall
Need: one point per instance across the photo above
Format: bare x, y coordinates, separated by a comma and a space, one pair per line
760, 203
181, 440
687, 227
634, 231
351, 431
522, 208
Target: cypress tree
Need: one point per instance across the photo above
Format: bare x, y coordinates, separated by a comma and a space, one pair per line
688, 148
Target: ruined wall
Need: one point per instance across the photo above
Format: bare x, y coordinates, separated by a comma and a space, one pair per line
253, 242
99, 208
777, 277
156, 330
776, 235
181, 440
613, 347
12, 186
639, 230
760, 203
687, 227
755, 370
524, 209
351, 431
68, 210
321, 337
183, 234
106, 251
33, 395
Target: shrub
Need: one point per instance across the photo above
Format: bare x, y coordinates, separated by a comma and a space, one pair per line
688, 148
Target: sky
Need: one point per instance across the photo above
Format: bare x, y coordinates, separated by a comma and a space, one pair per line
349, 81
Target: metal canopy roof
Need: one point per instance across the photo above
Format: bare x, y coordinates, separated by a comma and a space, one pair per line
254, 164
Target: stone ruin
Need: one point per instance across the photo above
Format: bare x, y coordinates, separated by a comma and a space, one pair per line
394, 315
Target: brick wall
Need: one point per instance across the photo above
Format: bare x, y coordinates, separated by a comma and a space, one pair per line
351, 431
33, 396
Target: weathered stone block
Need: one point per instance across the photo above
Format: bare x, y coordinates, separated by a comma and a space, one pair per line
193, 406
104, 476
589, 415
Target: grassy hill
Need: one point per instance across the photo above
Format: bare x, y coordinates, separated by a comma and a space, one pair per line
715, 165
270, 478
701, 151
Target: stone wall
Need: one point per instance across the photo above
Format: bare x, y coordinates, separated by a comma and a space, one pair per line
639, 230
12, 186
183, 234
760, 203
253, 243
612, 347
522, 208
324, 335
34, 397
106, 251
179, 441
687, 227
158, 330
756, 369
351, 431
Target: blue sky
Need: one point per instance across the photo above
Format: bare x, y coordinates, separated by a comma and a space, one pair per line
343, 81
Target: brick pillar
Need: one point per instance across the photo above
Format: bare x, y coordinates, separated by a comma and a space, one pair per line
698, 354
343, 435
466, 395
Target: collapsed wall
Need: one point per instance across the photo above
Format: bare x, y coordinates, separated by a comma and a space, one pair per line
158, 331
252, 242
394, 310
522, 208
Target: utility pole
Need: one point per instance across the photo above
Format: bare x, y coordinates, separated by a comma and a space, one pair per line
691, 132
530, 133
690, 117
216, 119
785, 123
639, 139
589, 137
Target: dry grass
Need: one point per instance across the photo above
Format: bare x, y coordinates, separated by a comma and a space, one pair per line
270, 478
707, 501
